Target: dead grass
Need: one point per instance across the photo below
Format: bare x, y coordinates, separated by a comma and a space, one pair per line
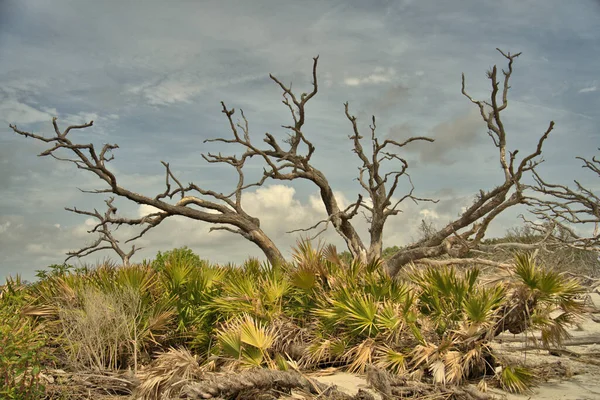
99, 334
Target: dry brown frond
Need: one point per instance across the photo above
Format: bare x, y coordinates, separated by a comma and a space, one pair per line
455, 366
290, 339
424, 354
360, 356
167, 375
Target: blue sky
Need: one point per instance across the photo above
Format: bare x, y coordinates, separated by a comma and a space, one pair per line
151, 74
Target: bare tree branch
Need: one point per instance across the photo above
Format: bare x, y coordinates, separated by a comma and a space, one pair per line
487, 205
206, 205
106, 239
290, 159
461, 261
565, 208
380, 186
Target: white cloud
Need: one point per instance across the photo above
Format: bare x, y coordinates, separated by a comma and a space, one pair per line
426, 213
352, 81
144, 210
379, 75
168, 91
317, 204
588, 89
182, 88
4, 227
19, 85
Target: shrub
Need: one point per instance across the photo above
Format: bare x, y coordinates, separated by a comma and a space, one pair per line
21, 346
181, 256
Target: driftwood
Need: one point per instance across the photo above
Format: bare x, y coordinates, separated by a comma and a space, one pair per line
577, 341
61, 384
261, 384
394, 387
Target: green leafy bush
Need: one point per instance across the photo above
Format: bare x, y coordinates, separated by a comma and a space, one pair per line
21, 346
181, 256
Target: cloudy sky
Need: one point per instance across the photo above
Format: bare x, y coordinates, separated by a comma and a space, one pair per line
151, 74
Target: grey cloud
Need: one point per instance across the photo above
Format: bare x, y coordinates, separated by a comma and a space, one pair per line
393, 97
461, 133
400, 131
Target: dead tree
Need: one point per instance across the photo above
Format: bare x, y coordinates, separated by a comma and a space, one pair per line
192, 201
560, 209
380, 174
487, 205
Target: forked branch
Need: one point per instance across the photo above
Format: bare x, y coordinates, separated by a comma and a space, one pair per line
106, 239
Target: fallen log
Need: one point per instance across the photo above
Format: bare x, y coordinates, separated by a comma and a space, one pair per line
576, 341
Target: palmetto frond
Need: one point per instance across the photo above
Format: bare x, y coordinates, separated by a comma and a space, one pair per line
168, 374
481, 304
516, 379
246, 341
304, 278
355, 311
392, 360
360, 355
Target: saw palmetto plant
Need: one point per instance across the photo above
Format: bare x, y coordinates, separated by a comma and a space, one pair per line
319, 310
540, 298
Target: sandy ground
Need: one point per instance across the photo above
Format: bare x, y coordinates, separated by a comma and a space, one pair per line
573, 374
583, 363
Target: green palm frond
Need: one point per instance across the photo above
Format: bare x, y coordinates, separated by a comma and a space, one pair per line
339, 346
304, 278
253, 268
392, 360
389, 320
281, 363
481, 304
255, 334
553, 329
254, 358
527, 270
246, 341
274, 287
443, 292
230, 342
175, 275
548, 292
140, 278
318, 351
304, 254
355, 311
516, 379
